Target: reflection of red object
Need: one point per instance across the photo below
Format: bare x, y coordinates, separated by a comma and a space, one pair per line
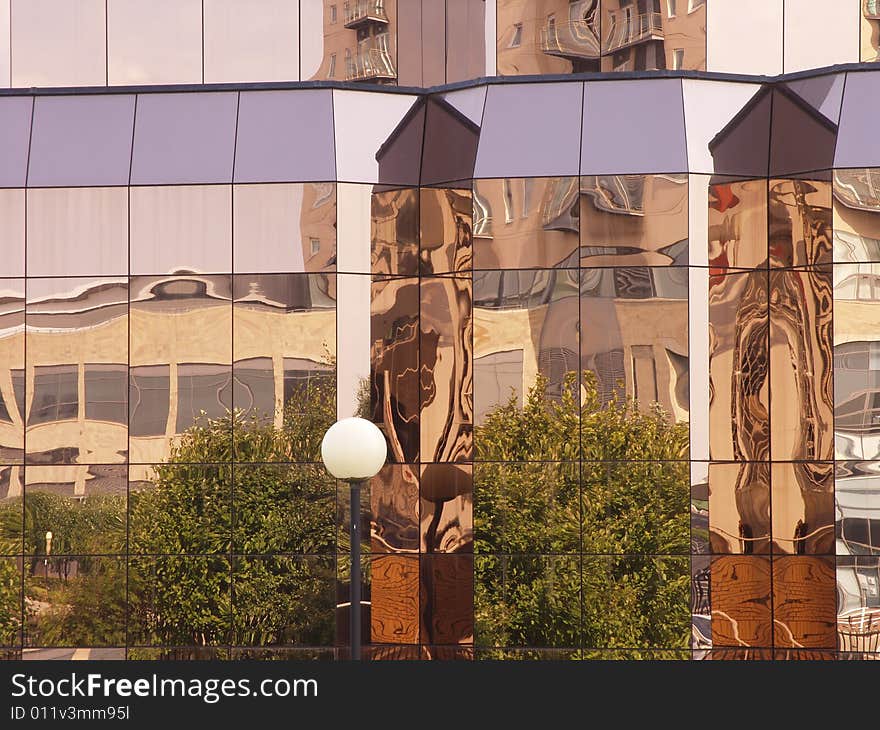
723, 198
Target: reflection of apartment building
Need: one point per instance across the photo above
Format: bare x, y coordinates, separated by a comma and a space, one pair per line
359, 41
572, 36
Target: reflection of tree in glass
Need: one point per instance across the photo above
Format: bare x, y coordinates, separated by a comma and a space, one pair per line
544, 550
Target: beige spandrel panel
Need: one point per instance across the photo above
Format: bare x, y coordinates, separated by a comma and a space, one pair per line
818, 33
5, 78
744, 36
58, 43
156, 42
251, 41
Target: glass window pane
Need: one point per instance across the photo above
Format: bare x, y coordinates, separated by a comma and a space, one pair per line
181, 228
12, 204
800, 222
446, 227
12, 370
159, 42
15, 119
735, 25
284, 227
741, 601
620, 142
870, 36
855, 138
181, 326
285, 136
257, 41
184, 138
81, 140
740, 508
807, 20
856, 202
77, 231
451, 151
58, 44
76, 329
737, 224
465, 54
530, 130
394, 233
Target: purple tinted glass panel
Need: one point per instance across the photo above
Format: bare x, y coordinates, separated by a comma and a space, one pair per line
15, 121
633, 127
81, 140
531, 130
857, 138
823, 94
285, 136
184, 138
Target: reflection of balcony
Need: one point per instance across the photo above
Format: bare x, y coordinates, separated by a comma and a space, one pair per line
365, 11
374, 63
574, 39
872, 9
635, 29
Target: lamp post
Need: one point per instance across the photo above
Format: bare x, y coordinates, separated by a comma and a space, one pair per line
354, 450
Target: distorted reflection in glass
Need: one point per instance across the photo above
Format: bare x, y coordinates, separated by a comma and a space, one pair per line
394, 509
394, 234
741, 601
286, 380
634, 335
395, 388
181, 357
447, 508
536, 37
739, 508
739, 400
446, 368
12, 403
525, 326
804, 602
446, 599
526, 223
800, 222
801, 369
803, 508
11, 518
856, 215
284, 227
631, 220
870, 27
77, 355
445, 228
737, 223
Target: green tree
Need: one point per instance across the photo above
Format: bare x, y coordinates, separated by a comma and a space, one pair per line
581, 517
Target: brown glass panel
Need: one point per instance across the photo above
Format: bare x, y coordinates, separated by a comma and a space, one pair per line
156, 615
386, 653
514, 503
12, 396
856, 205
394, 509
447, 508
526, 223
447, 599
77, 371
394, 216
283, 508
180, 508
804, 602
739, 423
801, 371
445, 221
739, 508
800, 222
181, 354
525, 325
446, 369
394, 608
634, 341
701, 606
395, 365
741, 602
343, 602
803, 508
762, 655
284, 383
634, 220
737, 223
648, 598
279, 600
82, 601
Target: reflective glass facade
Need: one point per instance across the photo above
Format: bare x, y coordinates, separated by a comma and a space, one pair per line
616, 328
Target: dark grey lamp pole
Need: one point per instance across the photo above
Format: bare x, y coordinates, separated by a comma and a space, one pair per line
354, 450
